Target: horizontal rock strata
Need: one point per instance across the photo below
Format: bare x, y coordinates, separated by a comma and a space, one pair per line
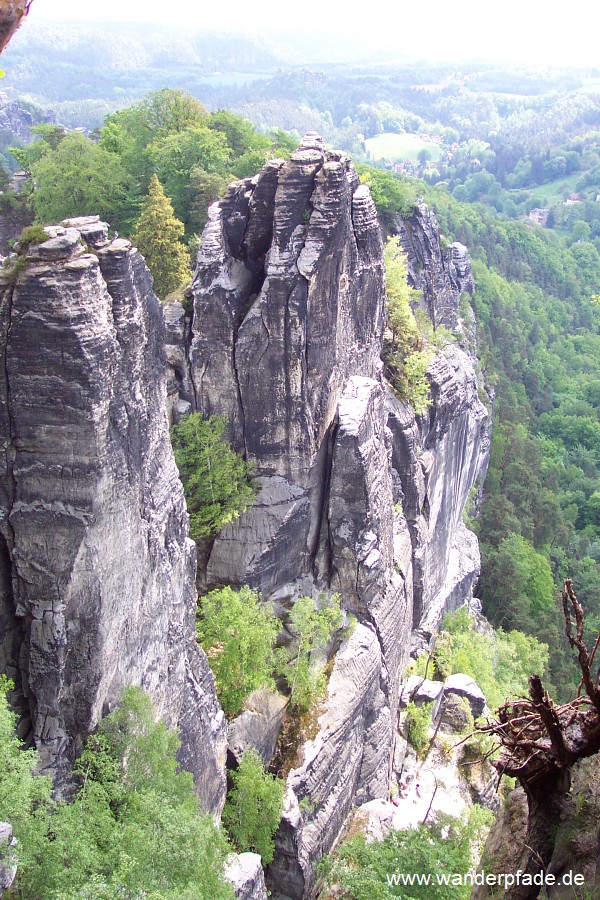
97, 567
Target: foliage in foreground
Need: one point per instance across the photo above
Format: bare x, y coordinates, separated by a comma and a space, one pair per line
499, 662
134, 828
216, 480
238, 635
254, 806
360, 871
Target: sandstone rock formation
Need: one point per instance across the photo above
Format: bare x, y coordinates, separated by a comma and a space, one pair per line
245, 874
288, 303
441, 273
96, 567
357, 495
8, 856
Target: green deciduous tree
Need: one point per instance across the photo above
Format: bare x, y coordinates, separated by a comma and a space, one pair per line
158, 237
79, 178
254, 806
418, 721
216, 480
203, 189
134, 827
516, 563
362, 871
313, 624
500, 662
238, 634
175, 154
408, 352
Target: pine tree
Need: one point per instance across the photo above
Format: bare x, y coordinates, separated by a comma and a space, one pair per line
158, 238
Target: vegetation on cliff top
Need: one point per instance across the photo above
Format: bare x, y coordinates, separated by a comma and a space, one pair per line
169, 135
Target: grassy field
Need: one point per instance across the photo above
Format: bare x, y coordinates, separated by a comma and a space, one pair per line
399, 147
555, 191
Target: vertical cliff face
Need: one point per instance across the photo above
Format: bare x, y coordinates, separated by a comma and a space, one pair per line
97, 570
441, 273
356, 495
439, 459
289, 302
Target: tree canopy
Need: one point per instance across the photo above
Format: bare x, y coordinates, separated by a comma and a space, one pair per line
80, 178
134, 827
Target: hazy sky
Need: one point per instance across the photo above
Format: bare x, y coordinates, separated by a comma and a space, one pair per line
505, 30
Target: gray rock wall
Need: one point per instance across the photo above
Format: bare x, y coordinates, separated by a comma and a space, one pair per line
289, 303
97, 567
356, 495
441, 273
439, 458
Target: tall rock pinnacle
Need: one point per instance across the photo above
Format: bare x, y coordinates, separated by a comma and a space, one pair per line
96, 568
289, 302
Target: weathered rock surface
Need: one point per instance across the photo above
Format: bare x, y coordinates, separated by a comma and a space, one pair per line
421, 690
373, 820
464, 686
338, 765
356, 495
258, 726
438, 460
441, 273
289, 303
8, 866
245, 874
97, 570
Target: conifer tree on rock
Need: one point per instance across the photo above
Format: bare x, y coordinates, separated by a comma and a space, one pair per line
158, 238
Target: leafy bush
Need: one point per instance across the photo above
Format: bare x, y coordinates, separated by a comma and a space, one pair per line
418, 720
238, 634
393, 196
362, 871
499, 662
216, 480
409, 352
133, 829
31, 234
313, 624
24, 798
254, 806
